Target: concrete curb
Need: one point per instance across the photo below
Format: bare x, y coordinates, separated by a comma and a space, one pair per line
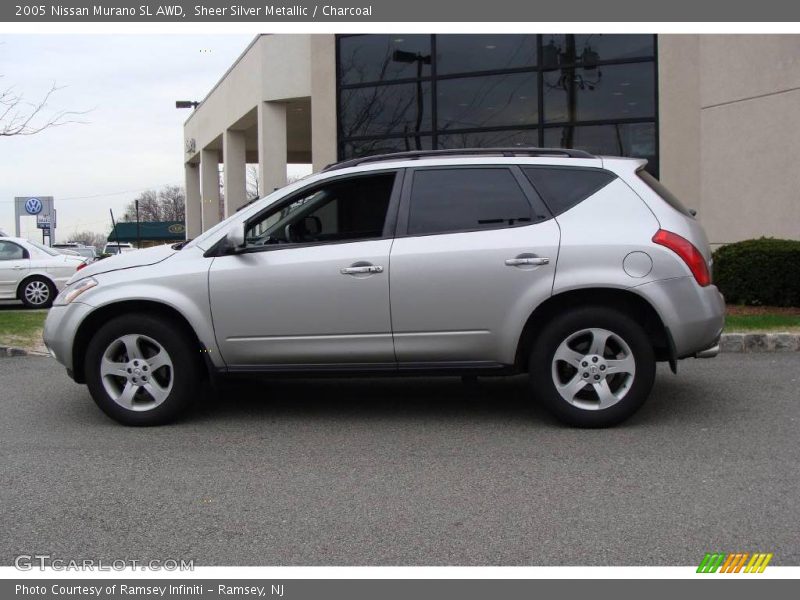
759, 342
7, 351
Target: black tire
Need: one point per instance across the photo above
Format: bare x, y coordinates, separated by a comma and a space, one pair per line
42, 284
186, 370
561, 328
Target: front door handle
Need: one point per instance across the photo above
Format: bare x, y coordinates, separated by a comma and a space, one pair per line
17, 268
528, 260
360, 270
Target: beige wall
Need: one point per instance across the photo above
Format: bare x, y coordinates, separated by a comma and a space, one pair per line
276, 103
273, 68
730, 131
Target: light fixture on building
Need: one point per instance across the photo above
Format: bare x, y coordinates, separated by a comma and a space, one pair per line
186, 103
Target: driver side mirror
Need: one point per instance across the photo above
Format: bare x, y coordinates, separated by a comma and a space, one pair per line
235, 238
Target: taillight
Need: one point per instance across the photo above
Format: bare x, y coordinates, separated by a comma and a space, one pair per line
686, 250
80, 266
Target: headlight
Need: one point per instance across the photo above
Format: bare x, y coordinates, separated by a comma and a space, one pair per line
72, 291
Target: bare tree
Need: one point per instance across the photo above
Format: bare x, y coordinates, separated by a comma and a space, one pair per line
252, 185
166, 204
89, 238
21, 117
173, 203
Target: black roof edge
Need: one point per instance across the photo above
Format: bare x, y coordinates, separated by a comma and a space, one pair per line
418, 154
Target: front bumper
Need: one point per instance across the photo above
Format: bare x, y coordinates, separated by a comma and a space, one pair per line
60, 328
694, 315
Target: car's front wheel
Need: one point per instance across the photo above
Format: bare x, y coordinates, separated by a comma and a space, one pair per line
142, 370
37, 292
592, 367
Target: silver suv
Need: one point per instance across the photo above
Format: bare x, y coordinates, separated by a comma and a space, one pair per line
580, 270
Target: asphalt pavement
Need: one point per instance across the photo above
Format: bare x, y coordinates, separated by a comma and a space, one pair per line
406, 472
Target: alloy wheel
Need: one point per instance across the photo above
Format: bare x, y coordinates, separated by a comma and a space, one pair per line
137, 372
37, 292
593, 369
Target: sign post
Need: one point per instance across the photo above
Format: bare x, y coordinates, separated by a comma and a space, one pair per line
40, 207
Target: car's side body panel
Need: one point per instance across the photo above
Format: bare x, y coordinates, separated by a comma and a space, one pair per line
295, 306
444, 298
11, 273
179, 282
454, 298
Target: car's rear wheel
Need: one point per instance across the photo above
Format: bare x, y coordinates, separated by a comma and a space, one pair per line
142, 370
592, 367
37, 292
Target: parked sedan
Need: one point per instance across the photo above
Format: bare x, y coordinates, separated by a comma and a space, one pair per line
32, 272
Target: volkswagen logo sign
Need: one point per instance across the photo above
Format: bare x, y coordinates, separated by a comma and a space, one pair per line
33, 206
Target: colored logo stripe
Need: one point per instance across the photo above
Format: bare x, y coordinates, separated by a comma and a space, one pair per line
733, 562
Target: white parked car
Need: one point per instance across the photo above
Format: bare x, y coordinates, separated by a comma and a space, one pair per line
118, 248
32, 272
72, 249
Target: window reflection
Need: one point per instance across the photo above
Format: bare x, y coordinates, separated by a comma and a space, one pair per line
630, 139
571, 90
588, 49
608, 92
357, 149
372, 58
380, 110
465, 53
490, 139
487, 101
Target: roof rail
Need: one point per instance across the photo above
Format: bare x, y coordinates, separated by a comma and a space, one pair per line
418, 154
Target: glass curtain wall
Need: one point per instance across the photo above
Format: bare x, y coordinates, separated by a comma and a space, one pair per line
595, 92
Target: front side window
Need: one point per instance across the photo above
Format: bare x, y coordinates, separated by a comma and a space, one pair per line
340, 211
11, 251
448, 200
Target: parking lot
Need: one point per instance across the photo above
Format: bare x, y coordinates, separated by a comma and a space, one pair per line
415, 471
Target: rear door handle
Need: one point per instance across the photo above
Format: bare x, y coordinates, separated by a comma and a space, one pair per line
531, 260
362, 269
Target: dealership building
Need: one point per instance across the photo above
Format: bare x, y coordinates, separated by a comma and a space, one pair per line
715, 115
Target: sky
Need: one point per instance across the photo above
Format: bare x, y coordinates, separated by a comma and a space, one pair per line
133, 136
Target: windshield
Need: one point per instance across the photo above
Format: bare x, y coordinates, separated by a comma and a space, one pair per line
44, 248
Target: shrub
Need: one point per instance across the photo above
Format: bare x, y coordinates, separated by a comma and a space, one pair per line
765, 272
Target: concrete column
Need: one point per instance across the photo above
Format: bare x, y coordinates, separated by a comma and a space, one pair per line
194, 215
323, 101
272, 149
209, 182
235, 172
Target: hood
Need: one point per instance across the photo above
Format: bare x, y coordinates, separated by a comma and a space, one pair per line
127, 260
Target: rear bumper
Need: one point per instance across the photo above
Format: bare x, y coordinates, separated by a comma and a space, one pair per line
694, 315
708, 352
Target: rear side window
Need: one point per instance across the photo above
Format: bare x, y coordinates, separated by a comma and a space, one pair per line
10, 251
561, 188
447, 200
660, 189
